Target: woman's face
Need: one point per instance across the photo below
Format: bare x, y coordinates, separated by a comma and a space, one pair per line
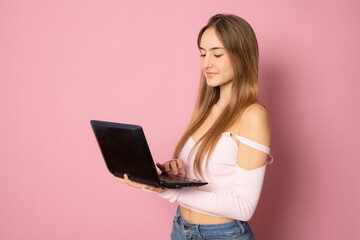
215, 63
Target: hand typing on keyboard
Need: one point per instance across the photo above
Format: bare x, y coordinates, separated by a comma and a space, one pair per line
173, 167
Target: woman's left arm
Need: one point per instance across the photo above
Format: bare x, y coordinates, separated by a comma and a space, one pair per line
241, 202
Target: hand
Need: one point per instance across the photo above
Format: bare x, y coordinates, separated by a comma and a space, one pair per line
127, 181
173, 167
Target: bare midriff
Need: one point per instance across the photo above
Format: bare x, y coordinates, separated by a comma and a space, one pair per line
200, 218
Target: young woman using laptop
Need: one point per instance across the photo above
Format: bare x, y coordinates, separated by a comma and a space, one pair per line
227, 140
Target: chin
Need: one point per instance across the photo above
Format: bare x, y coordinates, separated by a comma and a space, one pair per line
212, 83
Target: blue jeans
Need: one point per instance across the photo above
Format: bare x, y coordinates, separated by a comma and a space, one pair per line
183, 229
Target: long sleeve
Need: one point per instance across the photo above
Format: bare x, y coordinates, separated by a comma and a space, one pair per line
239, 203
232, 192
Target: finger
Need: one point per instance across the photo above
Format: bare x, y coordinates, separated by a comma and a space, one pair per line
160, 166
180, 163
167, 167
131, 183
174, 167
146, 187
126, 179
120, 179
154, 189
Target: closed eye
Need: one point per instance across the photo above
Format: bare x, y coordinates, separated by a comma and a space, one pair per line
215, 55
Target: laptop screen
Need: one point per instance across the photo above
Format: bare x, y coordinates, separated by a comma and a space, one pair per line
125, 150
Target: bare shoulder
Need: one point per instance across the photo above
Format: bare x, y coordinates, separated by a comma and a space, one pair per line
254, 112
253, 123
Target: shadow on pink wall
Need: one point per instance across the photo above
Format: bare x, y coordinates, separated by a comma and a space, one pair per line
277, 198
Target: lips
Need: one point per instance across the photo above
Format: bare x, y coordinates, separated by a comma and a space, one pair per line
210, 74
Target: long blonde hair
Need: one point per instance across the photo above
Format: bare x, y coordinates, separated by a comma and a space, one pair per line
239, 40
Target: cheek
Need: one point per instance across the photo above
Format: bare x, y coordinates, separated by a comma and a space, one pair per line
226, 67
202, 64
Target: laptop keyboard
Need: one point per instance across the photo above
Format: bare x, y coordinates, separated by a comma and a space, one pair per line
175, 179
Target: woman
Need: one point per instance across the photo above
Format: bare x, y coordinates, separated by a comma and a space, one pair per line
226, 142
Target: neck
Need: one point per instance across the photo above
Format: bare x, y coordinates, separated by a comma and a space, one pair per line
225, 95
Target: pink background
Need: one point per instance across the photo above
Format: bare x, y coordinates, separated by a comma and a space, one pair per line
63, 63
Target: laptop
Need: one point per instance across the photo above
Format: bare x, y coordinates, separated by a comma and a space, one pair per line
125, 151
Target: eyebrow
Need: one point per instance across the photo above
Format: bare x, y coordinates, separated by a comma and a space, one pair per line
214, 48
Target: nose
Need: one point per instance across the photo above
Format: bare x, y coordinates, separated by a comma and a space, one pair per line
207, 63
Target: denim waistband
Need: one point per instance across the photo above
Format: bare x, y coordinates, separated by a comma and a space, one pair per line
208, 229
